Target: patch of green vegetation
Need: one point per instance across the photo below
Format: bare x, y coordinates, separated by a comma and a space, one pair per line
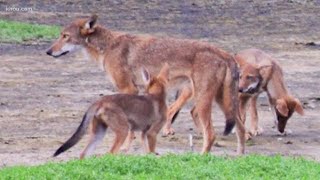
187, 166
19, 32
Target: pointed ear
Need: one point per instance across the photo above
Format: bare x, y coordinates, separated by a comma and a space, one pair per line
164, 72
145, 76
91, 22
240, 62
89, 25
298, 107
264, 67
281, 106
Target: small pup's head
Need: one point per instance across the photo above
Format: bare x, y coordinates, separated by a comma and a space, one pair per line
73, 36
156, 85
284, 108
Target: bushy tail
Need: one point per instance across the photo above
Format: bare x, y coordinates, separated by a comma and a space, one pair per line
230, 123
229, 126
75, 138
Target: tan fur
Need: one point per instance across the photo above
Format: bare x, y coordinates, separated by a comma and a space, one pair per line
124, 114
257, 66
211, 73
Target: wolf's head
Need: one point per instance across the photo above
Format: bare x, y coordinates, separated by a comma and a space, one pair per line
73, 36
284, 108
250, 81
156, 85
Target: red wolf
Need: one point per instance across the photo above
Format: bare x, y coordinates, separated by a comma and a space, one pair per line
259, 73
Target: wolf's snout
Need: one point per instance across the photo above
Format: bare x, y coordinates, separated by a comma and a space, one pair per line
241, 90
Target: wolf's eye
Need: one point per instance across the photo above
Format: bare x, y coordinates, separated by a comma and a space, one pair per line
251, 78
64, 36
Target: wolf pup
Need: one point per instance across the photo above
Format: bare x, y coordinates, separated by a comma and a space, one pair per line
259, 73
124, 113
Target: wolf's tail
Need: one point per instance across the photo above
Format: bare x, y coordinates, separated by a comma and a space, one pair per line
233, 94
75, 138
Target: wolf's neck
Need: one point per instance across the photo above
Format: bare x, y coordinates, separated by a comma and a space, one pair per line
98, 43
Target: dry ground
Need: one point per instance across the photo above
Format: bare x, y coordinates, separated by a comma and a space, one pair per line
43, 99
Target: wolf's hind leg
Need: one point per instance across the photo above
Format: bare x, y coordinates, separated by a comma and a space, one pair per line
98, 130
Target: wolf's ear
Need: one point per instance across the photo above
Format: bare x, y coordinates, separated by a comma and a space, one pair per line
264, 68
240, 62
145, 76
281, 106
164, 72
298, 107
91, 22
89, 25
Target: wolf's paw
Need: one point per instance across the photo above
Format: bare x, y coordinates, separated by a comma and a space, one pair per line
168, 131
285, 133
256, 132
248, 136
124, 150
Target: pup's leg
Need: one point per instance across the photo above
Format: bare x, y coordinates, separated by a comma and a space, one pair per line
152, 140
144, 141
117, 121
118, 141
128, 141
152, 133
97, 133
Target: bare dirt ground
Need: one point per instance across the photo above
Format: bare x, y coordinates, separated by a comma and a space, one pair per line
42, 99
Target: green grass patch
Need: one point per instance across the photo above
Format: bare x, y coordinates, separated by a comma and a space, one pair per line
19, 32
187, 166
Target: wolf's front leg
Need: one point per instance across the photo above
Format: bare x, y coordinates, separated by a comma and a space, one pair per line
254, 129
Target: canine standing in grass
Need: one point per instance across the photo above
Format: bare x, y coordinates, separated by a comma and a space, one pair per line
199, 69
259, 73
124, 113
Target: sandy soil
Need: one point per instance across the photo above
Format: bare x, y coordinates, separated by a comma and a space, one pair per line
43, 99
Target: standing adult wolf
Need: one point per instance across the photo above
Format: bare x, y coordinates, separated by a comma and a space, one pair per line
201, 70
